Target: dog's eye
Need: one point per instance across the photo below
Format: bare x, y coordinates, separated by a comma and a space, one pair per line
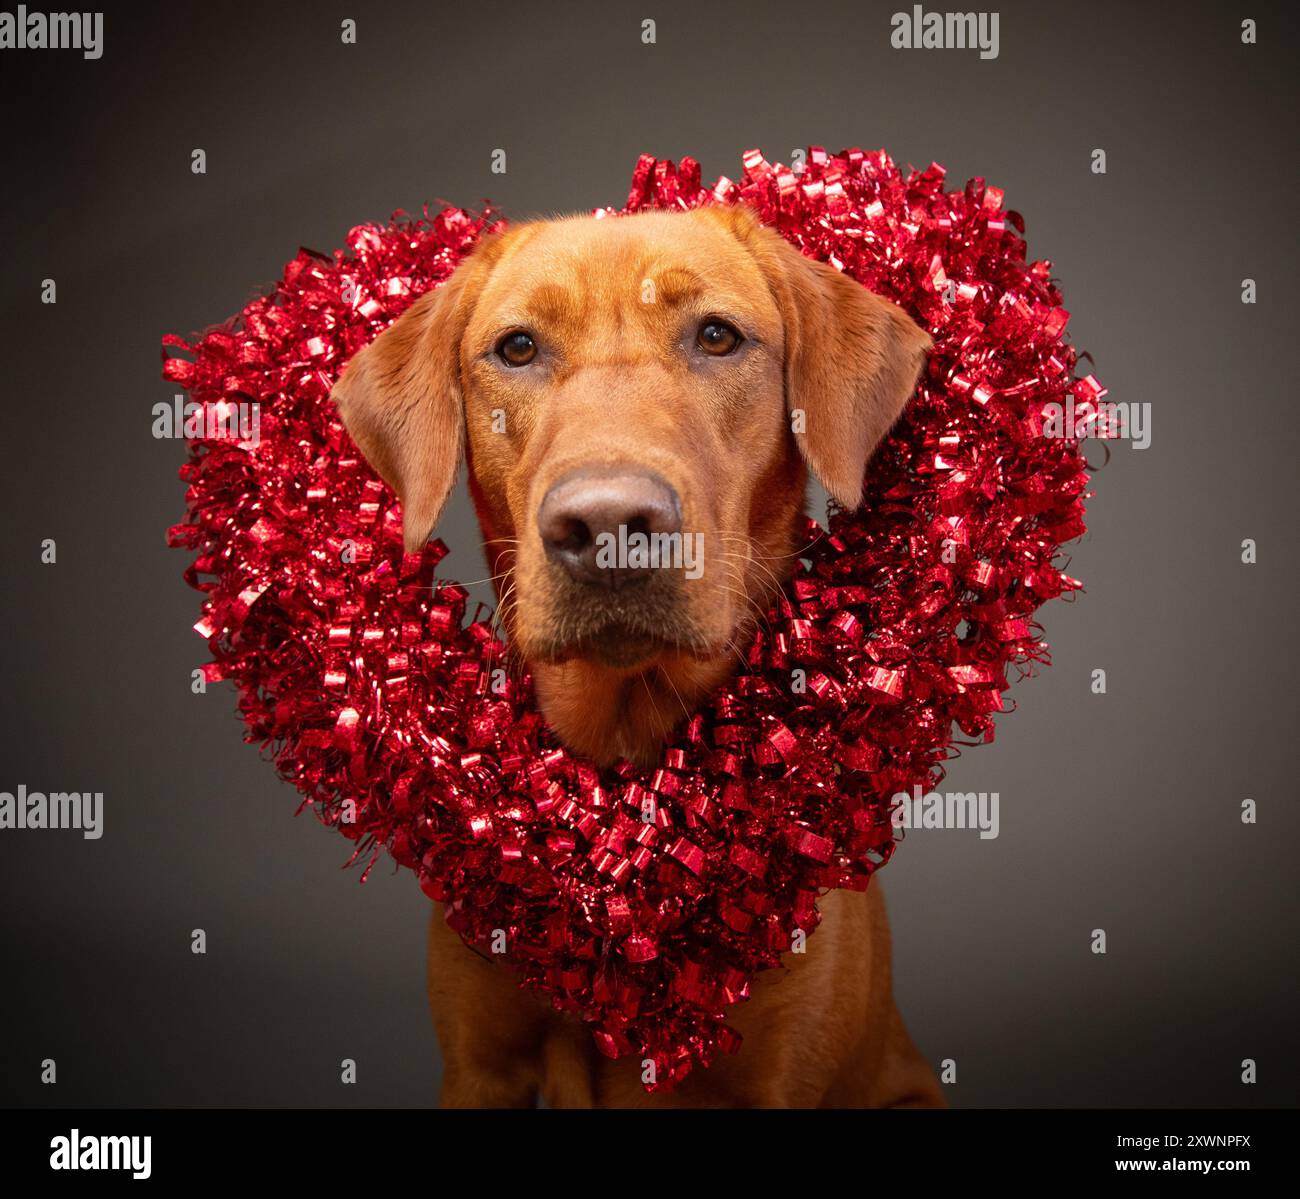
517, 349
717, 337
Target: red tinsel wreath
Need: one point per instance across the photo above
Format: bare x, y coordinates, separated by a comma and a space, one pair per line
355, 663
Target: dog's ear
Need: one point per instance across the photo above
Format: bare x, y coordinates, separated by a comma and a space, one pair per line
401, 400
852, 359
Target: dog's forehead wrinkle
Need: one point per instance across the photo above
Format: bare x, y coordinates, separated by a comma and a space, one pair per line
635, 248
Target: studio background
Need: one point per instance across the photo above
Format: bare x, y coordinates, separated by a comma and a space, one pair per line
1118, 811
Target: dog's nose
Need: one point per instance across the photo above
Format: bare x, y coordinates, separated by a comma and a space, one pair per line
589, 518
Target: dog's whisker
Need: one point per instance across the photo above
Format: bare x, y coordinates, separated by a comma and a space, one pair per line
501, 613
749, 602
750, 609
505, 574
650, 696
759, 561
795, 553
668, 678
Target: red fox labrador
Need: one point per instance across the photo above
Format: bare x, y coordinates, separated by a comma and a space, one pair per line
672, 377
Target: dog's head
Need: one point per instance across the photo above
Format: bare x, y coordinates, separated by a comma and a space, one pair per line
638, 399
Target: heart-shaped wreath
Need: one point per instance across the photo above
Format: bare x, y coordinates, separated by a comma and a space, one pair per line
356, 665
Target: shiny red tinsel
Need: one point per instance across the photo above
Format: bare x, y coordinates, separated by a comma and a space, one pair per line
355, 663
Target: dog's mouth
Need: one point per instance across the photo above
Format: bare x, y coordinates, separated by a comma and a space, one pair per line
619, 633
622, 646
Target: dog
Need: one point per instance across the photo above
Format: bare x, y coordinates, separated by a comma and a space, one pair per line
665, 379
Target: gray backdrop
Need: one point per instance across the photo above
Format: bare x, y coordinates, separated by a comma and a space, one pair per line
1119, 812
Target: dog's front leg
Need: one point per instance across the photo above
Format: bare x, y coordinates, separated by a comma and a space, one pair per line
480, 1085
491, 1032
